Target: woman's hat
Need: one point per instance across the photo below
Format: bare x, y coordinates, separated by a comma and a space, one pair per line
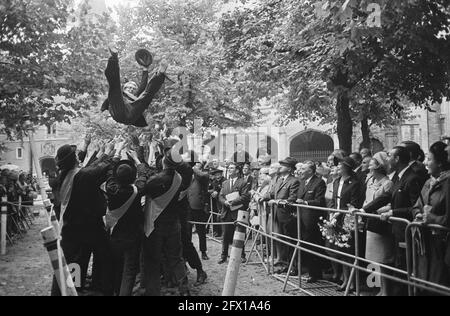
382, 159
144, 57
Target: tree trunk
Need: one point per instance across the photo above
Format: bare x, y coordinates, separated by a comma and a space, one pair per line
344, 121
365, 129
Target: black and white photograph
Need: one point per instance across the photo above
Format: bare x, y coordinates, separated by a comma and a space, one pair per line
225, 154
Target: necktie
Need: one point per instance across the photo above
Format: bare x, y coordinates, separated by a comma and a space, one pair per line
396, 178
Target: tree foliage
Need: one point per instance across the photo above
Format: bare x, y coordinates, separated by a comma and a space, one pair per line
49, 65
332, 65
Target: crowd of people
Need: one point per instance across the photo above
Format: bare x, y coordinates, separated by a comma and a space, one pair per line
20, 189
135, 218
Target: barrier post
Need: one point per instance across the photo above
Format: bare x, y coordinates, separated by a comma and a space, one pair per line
409, 245
272, 248
34, 151
236, 254
357, 256
299, 258
60, 268
4, 219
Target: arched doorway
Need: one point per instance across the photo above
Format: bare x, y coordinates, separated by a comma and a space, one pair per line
311, 145
48, 165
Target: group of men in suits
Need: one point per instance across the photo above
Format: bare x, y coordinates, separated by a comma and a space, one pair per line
308, 189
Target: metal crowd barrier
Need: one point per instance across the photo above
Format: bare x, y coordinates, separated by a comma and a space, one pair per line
407, 278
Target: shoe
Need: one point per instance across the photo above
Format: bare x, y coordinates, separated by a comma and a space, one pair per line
114, 52
244, 260
201, 278
281, 270
311, 280
205, 256
222, 261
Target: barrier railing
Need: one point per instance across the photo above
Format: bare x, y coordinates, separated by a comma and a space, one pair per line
406, 277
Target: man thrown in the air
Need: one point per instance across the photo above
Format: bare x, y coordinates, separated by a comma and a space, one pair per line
127, 106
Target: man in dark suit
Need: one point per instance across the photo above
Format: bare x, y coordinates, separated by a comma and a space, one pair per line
311, 192
282, 194
247, 175
360, 174
405, 193
162, 227
229, 210
416, 161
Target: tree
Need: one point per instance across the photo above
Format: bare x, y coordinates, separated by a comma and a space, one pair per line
49, 66
330, 61
185, 34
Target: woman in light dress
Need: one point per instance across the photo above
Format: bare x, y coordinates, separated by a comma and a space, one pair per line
380, 241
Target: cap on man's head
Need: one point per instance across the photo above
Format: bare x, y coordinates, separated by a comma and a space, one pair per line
66, 156
348, 162
288, 162
216, 171
125, 172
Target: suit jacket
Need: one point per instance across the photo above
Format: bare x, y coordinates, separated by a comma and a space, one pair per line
421, 171
244, 191
250, 181
350, 194
284, 190
312, 193
404, 196
157, 186
198, 190
436, 195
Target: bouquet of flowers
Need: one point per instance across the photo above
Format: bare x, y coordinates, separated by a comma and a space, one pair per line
338, 232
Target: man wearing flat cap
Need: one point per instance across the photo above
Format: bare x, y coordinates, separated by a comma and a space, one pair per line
284, 191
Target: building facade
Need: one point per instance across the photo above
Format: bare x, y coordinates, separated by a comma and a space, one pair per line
47, 140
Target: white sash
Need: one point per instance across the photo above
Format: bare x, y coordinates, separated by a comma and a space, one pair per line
154, 207
112, 217
65, 193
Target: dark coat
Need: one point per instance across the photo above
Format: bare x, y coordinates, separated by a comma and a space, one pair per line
130, 226
156, 186
433, 265
350, 194
405, 194
83, 218
244, 191
287, 191
198, 190
314, 195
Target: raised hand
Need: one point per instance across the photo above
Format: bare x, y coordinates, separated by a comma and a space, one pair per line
109, 148
134, 156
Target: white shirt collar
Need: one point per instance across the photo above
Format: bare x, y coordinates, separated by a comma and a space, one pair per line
402, 173
307, 181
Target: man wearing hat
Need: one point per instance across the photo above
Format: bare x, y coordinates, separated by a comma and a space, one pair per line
127, 106
162, 227
83, 206
124, 220
284, 191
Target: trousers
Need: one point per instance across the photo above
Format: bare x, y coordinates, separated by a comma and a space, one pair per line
122, 109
